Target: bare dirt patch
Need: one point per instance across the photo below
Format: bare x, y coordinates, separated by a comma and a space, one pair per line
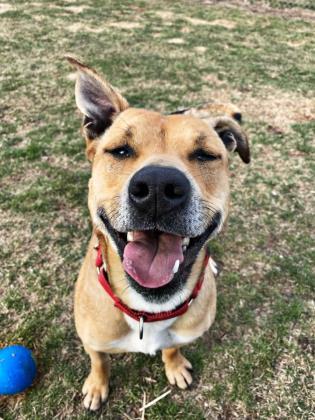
165, 15
21, 181
197, 22
76, 9
277, 391
213, 80
176, 41
5, 7
297, 44
200, 49
125, 25
278, 108
81, 27
288, 13
228, 24
73, 9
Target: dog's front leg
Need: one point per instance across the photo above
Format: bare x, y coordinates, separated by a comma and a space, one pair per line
95, 388
177, 367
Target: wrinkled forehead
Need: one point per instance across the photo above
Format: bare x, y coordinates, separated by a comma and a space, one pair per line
162, 132
188, 130
138, 126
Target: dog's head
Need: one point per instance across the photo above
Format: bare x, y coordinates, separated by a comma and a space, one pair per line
159, 188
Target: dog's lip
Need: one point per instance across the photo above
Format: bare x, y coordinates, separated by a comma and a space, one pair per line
188, 242
121, 237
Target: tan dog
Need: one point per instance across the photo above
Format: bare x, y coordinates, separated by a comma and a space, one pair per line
159, 191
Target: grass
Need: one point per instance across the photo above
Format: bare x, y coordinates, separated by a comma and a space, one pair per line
256, 361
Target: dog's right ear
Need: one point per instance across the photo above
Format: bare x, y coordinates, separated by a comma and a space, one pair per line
233, 137
98, 101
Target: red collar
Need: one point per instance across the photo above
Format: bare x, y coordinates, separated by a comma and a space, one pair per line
142, 316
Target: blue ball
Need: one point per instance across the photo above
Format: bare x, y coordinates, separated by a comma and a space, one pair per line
17, 369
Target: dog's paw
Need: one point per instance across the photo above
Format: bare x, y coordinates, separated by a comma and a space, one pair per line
95, 391
177, 371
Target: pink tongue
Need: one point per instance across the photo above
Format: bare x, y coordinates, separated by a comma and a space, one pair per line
150, 258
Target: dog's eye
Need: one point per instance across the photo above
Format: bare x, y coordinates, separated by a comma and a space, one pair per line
122, 152
203, 156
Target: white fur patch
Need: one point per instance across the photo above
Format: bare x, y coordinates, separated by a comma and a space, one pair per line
138, 302
156, 336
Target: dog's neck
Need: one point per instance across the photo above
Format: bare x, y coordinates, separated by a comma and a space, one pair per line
122, 289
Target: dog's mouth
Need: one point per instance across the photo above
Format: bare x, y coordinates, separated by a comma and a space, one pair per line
157, 261
152, 258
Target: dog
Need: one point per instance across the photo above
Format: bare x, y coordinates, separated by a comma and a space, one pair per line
158, 192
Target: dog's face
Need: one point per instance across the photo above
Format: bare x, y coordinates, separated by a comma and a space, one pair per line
159, 188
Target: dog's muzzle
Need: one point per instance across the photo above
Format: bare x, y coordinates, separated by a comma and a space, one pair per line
160, 228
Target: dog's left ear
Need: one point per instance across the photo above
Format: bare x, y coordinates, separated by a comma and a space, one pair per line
232, 136
98, 101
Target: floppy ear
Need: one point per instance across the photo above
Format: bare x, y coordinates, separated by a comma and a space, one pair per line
98, 101
232, 136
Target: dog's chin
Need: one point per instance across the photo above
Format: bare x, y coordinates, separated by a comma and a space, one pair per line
164, 282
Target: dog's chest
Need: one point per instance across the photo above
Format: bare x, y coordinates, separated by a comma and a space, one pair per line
156, 336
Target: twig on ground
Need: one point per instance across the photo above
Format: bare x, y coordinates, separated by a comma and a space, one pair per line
155, 400
143, 406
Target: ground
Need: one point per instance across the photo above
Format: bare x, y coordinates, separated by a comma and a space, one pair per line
256, 361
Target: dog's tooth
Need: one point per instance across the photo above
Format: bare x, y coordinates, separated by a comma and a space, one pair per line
176, 265
184, 248
130, 236
213, 266
186, 241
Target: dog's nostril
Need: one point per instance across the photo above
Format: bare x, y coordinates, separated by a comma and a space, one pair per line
140, 190
158, 189
172, 191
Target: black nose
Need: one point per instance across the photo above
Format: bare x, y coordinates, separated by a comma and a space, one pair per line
159, 189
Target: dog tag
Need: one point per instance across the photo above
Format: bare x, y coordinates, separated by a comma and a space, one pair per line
141, 327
